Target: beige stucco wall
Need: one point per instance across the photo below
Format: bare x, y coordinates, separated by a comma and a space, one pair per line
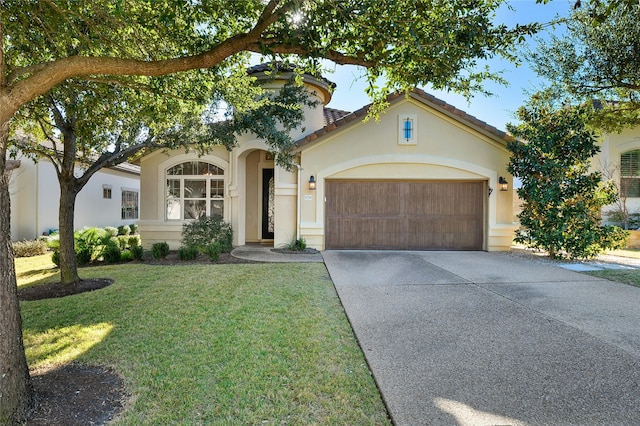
445, 149
608, 160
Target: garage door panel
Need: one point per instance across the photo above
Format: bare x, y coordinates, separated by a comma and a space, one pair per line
414, 215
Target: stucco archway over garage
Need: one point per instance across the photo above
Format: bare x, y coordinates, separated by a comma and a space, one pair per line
404, 214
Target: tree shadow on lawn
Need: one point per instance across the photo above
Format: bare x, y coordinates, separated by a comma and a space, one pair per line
75, 394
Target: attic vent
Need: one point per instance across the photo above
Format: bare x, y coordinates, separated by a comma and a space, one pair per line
407, 129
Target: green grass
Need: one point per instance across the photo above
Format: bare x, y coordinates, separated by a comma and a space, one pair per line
212, 344
632, 253
626, 276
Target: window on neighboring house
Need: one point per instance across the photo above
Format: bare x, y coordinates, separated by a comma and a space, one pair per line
194, 189
630, 173
106, 192
129, 204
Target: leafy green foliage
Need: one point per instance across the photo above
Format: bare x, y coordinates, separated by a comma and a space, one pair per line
160, 250
297, 245
213, 250
111, 252
206, 230
562, 199
124, 230
137, 252
28, 248
597, 59
187, 253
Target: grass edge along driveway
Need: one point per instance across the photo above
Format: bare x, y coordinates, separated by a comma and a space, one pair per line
211, 344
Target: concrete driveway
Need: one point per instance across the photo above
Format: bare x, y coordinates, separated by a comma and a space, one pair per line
475, 338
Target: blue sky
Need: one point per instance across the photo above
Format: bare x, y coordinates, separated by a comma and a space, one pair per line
496, 110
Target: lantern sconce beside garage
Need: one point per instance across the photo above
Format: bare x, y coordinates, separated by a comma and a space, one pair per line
312, 183
503, 185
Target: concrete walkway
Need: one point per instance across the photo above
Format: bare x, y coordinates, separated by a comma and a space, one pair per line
263, 253
475, 338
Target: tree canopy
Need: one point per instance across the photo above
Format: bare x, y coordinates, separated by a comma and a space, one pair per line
562, 198
597, 62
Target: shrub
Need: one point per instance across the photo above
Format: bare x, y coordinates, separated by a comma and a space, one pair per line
124, 230
202, 232
83, 255
126, 256
29, 248
187, 253
55, 257
134, 228
123, 240
134, 241
113, 232
213, 250
88, 244
111, 252
297, 245
137, 252
53, 241
160, 250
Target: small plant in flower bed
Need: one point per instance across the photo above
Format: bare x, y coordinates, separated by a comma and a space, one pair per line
28, 248
187, 253
160, 250
213, 251
112, 252
124, 230
136, 252
112, 231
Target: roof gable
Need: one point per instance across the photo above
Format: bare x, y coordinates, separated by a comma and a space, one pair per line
341, 120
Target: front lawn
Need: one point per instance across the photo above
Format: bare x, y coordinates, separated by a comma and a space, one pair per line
626, 276
211, 344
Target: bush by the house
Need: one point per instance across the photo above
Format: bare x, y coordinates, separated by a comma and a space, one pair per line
124, 230
134, 228
112, 231
204, 231
136, 252
160, 250
213, 250
55, 257
126, 256
133, 241
28, 248
297, 245
187, 253
111, 252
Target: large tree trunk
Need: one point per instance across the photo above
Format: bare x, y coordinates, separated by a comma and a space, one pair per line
68, 264
16, 393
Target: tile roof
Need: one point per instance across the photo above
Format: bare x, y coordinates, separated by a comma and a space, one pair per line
332, 114
420, 95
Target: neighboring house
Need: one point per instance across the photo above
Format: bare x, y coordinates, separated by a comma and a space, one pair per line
619, 159
424, 176
110, 198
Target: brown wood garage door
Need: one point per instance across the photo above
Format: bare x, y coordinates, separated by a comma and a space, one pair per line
404, 215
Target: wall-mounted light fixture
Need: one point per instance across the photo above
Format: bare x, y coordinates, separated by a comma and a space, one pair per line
503, 185
312, 183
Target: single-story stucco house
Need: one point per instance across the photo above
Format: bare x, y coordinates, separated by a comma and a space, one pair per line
424, 176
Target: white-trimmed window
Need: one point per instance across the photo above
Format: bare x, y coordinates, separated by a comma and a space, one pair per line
129, 204
106, 192
194, 189
630, 173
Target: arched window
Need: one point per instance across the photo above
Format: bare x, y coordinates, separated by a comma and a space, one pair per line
194, 189
630, 173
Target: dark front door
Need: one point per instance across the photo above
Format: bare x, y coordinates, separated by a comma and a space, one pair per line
267, 204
